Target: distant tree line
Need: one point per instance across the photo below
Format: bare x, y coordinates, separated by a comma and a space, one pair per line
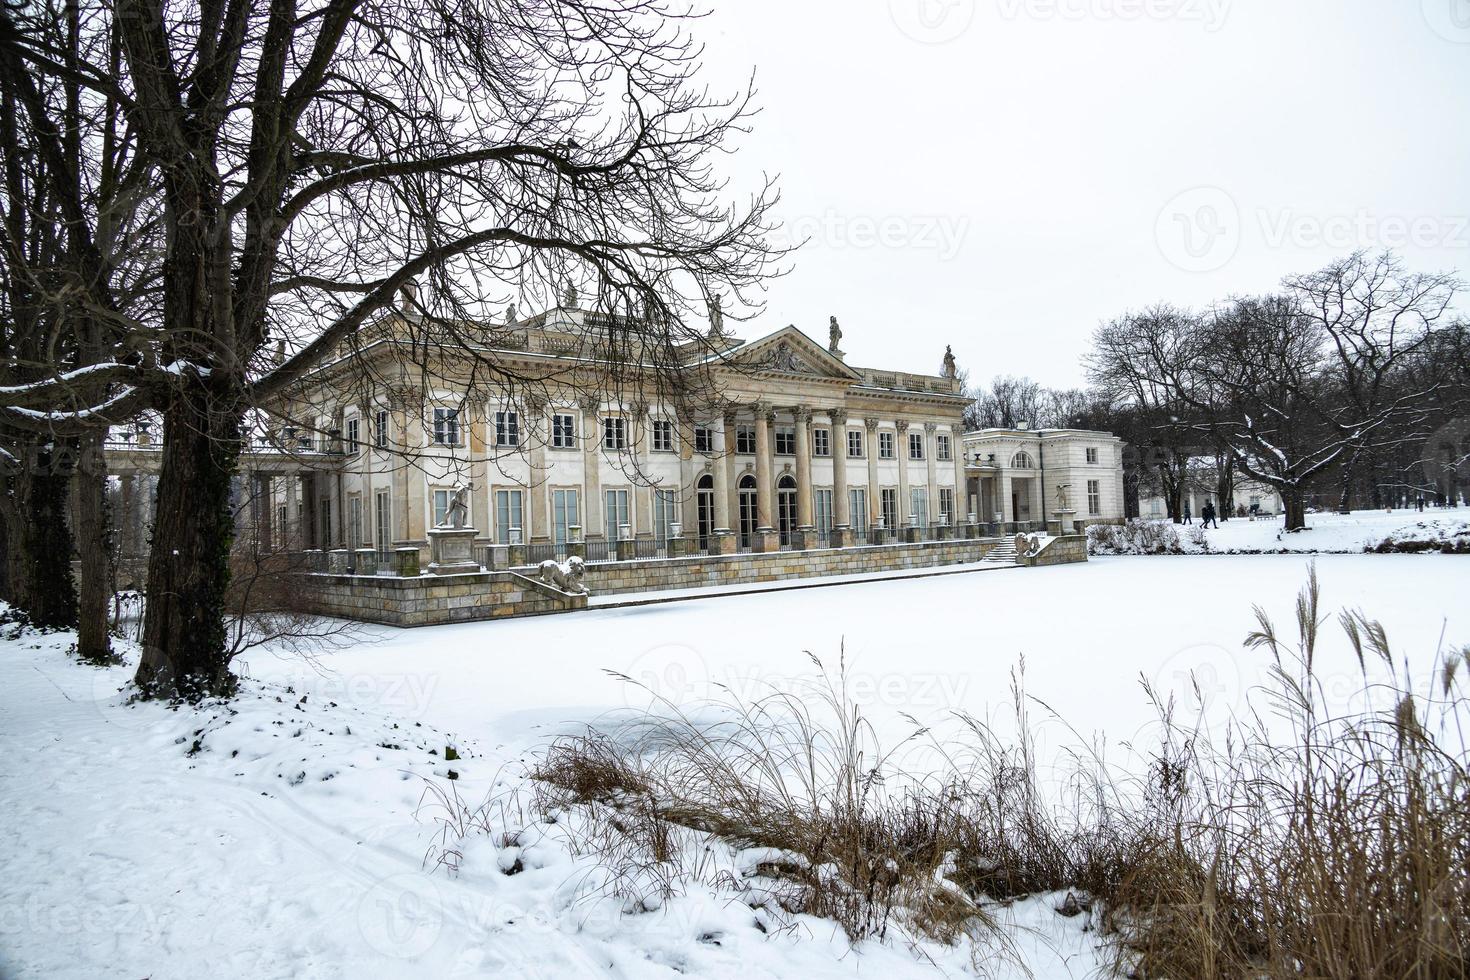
1346, 387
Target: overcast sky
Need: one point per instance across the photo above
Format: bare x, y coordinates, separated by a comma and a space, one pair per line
1001, 175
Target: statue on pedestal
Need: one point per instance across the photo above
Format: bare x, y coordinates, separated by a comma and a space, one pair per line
458, 514
834, 336
950, 368
716, 317
1062, 496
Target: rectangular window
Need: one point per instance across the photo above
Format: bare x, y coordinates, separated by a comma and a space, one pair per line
615, 433
353, 433
916, 445
822, 509
946, 506
785, 440
383, 515
854, 443
446, 427
663, 436
942, 448
380, 429
615, 513
664, 513
563, 431
565, 514
507, 429
821, 442
890, 506
441, 507
885, 445
1092, 454
919, 506
857, 507
508, 514
704, 439
354, 522
1094, 497
282, 533
305, 442
745, 440
325, 527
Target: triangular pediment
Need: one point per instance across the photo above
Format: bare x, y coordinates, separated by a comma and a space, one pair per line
789, 351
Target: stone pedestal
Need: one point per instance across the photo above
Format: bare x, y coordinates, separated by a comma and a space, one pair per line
1063, 521
365, 561
911, 535
766, 539
943, 532
576, 549
972, 531
803, 538
726, 542
337, 561
515, 555
406, 562
625, 549
678, 547
843, 537
451, 551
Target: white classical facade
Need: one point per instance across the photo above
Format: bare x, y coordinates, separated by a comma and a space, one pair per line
1068, 478
791, 448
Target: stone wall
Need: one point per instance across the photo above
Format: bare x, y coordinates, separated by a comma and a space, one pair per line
701, 571
1059, 551
427, 600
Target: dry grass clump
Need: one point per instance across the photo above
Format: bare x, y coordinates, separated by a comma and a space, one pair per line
1294, 842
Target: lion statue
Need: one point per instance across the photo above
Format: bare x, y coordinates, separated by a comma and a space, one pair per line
567, 577
1028, 545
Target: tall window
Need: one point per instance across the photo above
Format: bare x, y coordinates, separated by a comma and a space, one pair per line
889, 498
919, 506
785, 440
663, 516
615, 513
615, 433
857, 507
942, 448
383, 515
563, 431
565, 514
745, 440
946, 506
854, 443
1092, 454
446, 426
1021, 461
822, 509
885, 445
353, 432
508, 515
704, 439
507, 429
916, 445
1094, 497
663, 436
380, 429
821, 442
325, 527
441, 507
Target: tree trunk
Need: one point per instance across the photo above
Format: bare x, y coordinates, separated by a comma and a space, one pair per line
185, 650
1295, 506
95, 549
1345, 502
50, 594
12, 569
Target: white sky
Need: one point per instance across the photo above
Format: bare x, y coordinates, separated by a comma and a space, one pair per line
1001, 175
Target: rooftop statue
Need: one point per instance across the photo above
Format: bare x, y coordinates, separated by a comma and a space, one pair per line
834, 336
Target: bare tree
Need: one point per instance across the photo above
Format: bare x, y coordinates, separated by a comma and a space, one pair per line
308, 162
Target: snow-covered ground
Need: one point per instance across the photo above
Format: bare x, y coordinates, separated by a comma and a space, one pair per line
1328, 533
284, 836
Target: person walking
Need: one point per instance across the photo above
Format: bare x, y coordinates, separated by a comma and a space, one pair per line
1208, 514
1421, 503
1187, 518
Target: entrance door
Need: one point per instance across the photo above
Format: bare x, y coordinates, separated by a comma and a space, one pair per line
786, 508
747, 510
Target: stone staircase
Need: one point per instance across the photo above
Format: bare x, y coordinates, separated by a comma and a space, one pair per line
1003, 553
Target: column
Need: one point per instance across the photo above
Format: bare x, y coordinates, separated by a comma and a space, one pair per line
723, 470
841, 518
536, 430
766, 537
591, 471
901, 450
804, 536
265, 510
128, 525
875, 489
961, 481
688, 494
642, 516
931, 465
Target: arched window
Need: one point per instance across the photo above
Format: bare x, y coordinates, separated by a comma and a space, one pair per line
706, 482
747, 482
787, 482
1021, 461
